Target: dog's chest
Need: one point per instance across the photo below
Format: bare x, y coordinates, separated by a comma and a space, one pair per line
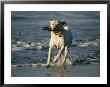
57, 41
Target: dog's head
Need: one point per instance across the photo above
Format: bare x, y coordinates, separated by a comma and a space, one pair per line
53, 24
57, 25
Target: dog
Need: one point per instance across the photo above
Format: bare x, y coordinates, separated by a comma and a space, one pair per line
61, 38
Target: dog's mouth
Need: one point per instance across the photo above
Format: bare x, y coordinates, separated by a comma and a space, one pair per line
49, 29
58, 29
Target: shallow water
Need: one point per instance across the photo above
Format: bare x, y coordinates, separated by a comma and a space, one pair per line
30, 42
90, 70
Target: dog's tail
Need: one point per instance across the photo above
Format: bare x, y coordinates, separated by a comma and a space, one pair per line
65, 25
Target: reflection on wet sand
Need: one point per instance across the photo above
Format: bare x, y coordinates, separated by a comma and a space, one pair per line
58, 72
85, 70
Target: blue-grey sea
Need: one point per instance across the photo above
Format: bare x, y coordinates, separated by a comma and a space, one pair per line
29, 43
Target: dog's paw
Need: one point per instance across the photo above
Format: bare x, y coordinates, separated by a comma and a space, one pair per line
47, 65
63, 64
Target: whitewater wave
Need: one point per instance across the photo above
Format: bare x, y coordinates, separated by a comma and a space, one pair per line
25, 45
85, 42
44, 44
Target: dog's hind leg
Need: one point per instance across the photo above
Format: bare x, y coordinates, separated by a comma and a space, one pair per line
59, 54
65, 56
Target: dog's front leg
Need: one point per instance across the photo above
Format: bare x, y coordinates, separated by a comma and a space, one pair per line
49, 56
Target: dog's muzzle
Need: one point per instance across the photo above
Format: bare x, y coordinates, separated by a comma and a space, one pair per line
49, 29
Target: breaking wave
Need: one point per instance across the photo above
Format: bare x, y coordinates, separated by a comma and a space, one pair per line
85, 43
44, 44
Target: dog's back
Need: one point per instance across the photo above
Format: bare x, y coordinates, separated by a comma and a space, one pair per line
67, 38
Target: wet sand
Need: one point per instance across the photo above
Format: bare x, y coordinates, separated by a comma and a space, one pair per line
86, 70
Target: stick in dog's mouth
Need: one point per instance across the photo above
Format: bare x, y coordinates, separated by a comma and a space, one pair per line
49, 29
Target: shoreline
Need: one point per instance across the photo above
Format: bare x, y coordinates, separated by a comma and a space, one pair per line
85, 70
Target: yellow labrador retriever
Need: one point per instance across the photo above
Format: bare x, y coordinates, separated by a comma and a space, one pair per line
61, 38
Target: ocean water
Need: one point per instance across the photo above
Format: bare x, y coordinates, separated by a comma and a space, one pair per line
29, 43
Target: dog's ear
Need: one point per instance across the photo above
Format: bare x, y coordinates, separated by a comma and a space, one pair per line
50, 21
65, 23
54, 21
